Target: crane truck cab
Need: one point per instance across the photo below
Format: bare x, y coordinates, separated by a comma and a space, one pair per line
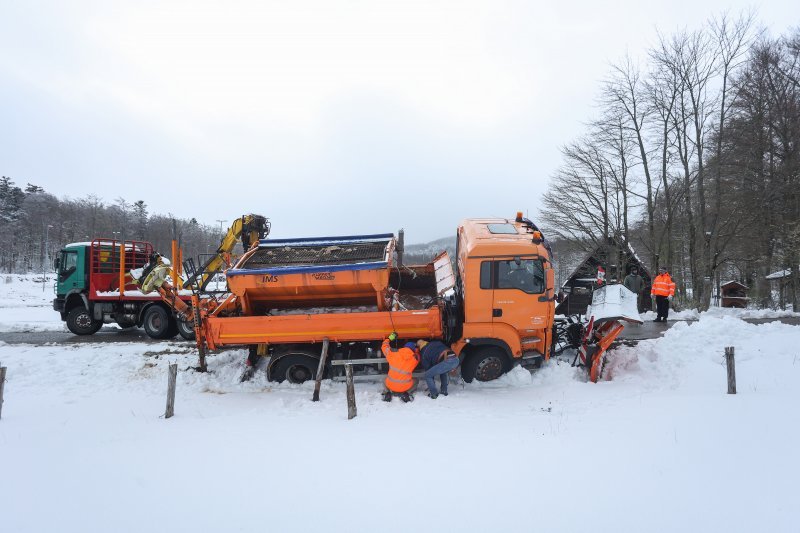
505, 288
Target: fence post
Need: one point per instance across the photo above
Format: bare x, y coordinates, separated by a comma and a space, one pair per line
320, 369
171, 379
2, 384
731, 364
351, 393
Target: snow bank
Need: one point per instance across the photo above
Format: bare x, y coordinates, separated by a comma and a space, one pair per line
694, 314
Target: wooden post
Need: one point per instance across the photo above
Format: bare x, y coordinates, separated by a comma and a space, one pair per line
173, 375
731, 364
2, 383
320, 369
351, 393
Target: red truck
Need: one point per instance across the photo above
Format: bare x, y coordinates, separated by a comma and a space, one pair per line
88, 294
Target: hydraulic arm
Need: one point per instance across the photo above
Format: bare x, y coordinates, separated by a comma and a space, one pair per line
248, 228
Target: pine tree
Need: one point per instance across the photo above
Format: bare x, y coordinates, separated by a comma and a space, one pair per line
140, 219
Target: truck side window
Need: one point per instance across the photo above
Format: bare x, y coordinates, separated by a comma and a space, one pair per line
69, 263
527, 275
486, 274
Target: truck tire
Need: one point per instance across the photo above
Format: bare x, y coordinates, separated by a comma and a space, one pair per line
185, 329
81, 322
485, 364
294, 368
158, 324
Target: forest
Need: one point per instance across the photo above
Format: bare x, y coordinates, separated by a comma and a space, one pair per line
692, 158
34, 225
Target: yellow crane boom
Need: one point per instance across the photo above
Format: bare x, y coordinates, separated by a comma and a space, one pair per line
249, 229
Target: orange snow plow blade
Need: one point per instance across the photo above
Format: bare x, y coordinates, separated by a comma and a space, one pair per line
612, 305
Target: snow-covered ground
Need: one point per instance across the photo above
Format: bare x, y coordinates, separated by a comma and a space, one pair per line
658, 447
694, 314
25, 307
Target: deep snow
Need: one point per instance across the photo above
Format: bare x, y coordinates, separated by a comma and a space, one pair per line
660, 447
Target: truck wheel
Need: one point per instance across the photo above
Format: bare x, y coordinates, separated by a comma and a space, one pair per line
157, 323
485, 364
81, 322
185, 329
294, 368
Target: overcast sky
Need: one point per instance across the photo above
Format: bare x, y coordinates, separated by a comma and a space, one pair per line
330, 117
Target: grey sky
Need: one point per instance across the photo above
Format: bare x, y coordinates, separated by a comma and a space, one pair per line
330, 117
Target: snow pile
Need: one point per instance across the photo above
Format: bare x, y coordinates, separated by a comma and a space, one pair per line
661, 447
694, 314
693, 352
25, 307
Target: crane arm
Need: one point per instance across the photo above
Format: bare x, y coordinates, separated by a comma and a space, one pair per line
248, 228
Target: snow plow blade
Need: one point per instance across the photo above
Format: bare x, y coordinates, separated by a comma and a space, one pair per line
612, 305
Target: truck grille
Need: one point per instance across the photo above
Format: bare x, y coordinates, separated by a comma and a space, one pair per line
343, 254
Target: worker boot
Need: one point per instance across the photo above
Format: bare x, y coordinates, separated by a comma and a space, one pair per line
406, 397
387, 396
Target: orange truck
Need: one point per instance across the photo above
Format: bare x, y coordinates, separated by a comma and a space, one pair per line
496, 308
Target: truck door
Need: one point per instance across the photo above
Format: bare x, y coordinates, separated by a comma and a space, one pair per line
71, 270
518, 284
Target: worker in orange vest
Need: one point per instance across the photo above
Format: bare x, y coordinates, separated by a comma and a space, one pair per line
402, 363
663, 289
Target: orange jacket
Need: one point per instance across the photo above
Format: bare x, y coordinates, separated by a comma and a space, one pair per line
663, 285
401, 364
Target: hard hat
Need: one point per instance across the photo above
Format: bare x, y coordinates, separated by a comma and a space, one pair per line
410, 345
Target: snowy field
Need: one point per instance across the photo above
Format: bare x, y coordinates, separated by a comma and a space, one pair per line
25, 307
658, 447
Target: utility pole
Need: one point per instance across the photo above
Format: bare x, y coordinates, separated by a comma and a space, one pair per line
221, 222
46, 256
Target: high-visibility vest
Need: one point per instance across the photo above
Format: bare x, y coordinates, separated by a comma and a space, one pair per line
401, 366
663, 286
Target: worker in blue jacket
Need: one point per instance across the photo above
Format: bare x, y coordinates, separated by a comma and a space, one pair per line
438, 360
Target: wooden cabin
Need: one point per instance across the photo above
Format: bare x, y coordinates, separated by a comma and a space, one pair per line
734, 294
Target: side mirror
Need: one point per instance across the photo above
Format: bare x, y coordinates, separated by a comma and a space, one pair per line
57, 263
549, 293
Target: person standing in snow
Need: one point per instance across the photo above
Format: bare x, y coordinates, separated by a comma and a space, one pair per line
635, 283
663, 289
437, 360
402, 362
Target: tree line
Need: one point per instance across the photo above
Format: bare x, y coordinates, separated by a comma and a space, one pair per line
693, 159
35, 225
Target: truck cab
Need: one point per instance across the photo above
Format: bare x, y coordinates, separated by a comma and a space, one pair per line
506, 289
72, 283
